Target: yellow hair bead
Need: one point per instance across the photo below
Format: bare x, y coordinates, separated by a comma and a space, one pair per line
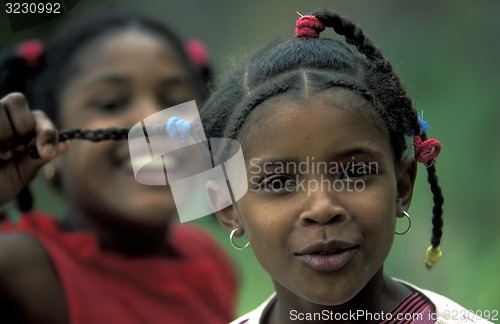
433, 255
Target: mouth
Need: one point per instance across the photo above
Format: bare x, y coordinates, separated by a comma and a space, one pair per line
327, 255
146, 164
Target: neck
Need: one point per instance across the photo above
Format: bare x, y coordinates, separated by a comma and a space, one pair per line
128, 239
381, 294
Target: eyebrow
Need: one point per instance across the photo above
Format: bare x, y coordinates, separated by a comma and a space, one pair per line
361, 150
174, 80
111, 78
123, 80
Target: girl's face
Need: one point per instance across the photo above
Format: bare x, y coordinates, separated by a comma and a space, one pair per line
119, 80
323, 194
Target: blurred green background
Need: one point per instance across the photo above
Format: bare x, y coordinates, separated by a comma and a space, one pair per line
446, 52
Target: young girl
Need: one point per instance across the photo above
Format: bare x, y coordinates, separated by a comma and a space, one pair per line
331, 141
116, 256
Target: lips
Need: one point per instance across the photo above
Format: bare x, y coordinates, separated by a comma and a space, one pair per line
327, 255
149, 164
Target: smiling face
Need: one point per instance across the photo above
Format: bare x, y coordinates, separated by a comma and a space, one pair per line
322, 236
120, 79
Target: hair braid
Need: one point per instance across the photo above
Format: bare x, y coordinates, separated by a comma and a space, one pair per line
354, 35
434, 251
437, 210
96, 135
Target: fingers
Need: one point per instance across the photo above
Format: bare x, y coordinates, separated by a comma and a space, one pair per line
20, 128
17, 125
47, 138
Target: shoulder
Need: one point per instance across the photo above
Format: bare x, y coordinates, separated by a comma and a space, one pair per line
20, 251
450, 311
26, 278
33, 222
27, 275
447, 310
255, 316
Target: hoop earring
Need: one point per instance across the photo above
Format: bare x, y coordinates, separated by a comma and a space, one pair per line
409, 224
236, 246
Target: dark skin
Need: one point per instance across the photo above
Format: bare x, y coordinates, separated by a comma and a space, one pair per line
122, 79
26, 278
281, 219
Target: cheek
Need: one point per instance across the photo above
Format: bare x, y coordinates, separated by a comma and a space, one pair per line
267, 228
84, 162
378, 210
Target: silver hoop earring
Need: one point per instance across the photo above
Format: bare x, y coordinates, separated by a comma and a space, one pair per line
236, 246
409, 224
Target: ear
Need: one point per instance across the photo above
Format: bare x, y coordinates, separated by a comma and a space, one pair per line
407, 174
221, 203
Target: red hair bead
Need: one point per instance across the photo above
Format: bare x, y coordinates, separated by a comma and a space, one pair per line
308, 26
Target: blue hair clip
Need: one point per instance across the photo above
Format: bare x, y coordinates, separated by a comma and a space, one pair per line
178, 128
423, 125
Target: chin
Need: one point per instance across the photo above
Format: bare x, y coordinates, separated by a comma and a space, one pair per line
152, 203
328, 295
147, 222
146, 213
330, 298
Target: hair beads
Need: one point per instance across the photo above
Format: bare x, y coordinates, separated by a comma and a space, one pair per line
178, 128
309, 26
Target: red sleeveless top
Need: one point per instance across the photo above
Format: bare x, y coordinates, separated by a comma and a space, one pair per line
102, 286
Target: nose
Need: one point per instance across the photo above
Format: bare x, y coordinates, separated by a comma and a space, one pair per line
322, 208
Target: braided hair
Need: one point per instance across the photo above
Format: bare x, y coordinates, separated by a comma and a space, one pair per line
309, 64
40, 71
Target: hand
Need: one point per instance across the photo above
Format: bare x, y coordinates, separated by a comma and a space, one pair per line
19, 128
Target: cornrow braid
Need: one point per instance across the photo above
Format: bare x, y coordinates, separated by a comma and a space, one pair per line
307, 65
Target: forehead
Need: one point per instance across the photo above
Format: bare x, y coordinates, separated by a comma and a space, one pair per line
125, 50
332, 120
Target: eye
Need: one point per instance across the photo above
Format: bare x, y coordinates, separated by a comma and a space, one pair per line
170, 102
358, 170
175, 93
278, 183
110, 105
